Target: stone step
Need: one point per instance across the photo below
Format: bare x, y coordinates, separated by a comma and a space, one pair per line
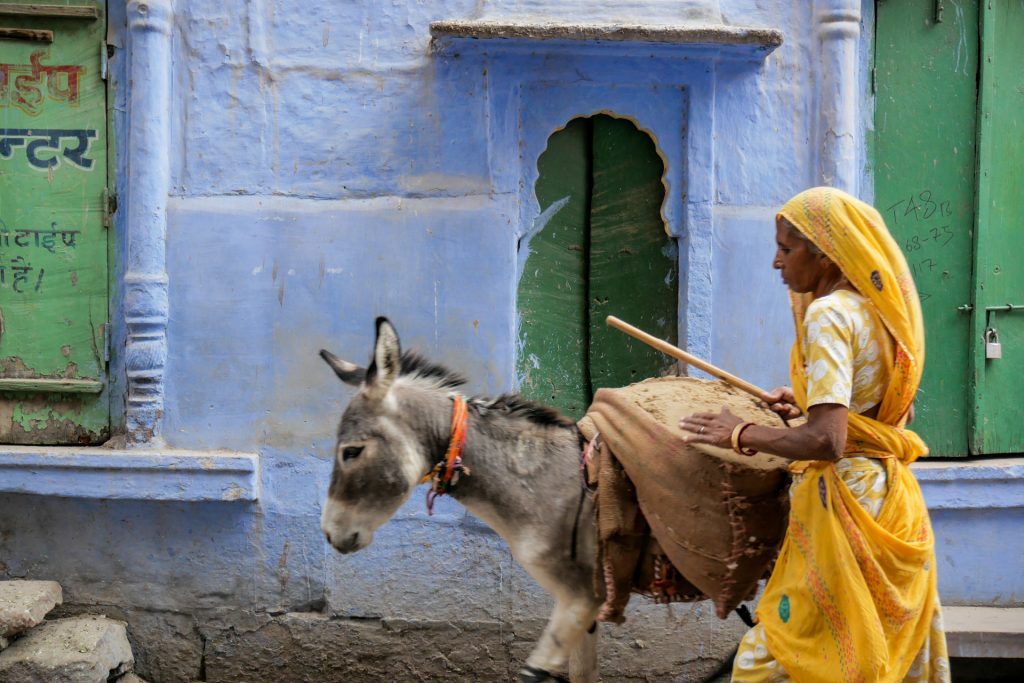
87, 649
986, 632
129, 678
23, 604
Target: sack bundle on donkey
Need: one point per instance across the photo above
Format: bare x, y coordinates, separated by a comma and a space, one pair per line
680, 521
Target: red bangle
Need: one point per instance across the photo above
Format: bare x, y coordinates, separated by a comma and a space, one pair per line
737, 433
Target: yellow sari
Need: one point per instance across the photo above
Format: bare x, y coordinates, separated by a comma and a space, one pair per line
852, 597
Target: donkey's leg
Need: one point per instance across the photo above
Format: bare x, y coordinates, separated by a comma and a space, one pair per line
574, 614
583, 660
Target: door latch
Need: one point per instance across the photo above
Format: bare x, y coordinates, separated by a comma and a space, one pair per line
993, 349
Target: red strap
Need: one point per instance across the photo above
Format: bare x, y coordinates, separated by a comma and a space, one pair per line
445, 474
460, 422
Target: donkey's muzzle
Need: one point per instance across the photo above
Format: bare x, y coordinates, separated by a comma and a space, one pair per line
349, 544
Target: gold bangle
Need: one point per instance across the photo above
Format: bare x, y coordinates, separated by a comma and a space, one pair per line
735, 437
737, 432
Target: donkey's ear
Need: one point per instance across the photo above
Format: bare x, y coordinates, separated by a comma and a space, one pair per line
387, 359
348, 372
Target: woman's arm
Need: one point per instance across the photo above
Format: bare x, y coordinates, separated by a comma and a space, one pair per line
822, 437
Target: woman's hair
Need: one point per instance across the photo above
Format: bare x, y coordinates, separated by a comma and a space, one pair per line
811, 246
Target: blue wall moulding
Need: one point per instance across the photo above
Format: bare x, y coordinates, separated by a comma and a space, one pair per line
689, 39
977, 508
133, 474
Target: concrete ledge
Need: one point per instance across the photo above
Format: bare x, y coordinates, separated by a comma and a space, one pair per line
137, 474
985, 632
745, 41
990, 483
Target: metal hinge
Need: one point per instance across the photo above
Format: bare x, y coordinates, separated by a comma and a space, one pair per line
103, 60
874, 80
109, 207
939, 9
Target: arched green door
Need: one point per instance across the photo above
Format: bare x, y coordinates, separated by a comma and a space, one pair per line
604, 251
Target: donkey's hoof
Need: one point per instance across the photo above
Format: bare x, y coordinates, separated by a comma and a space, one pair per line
531, 674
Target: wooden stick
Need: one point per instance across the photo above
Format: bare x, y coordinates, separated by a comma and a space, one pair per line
678, 353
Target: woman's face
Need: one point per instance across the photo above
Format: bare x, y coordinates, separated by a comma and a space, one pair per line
802, 270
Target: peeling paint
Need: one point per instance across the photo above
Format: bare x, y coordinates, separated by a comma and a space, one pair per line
42, 419
233, 492
13, 367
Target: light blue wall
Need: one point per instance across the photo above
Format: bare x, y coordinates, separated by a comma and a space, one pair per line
327, 168
331, 169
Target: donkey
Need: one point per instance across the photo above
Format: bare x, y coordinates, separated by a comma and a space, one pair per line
524, 459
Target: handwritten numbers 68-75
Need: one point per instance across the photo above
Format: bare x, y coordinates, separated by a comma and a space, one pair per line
940, 236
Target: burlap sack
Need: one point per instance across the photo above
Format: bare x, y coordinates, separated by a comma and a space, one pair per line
719, 517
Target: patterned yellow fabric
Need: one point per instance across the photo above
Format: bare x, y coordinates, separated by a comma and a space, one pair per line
852, 597
847, 351
754, 663
853, 235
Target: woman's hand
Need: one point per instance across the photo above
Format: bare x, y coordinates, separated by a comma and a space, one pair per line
782, 402
714, 429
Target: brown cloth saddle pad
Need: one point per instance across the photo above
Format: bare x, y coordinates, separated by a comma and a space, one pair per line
680, 521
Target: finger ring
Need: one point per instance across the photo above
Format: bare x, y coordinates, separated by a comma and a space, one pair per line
701, 429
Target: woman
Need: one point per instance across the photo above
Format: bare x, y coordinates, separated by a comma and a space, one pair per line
853, 594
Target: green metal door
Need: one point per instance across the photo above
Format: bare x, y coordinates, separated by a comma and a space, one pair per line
925, 79
633, 261
53, 243
604, 250
999, 294
553, 293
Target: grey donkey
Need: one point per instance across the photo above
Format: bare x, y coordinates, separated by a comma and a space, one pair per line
524, 460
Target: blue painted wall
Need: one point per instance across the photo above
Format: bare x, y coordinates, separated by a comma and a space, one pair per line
328, 168
332, 169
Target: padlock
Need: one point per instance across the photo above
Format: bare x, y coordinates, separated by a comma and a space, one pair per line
993, 349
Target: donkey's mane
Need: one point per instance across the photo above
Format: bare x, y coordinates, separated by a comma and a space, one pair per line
515, 405
415, 366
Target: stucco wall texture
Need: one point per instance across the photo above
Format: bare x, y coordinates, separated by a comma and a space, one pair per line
328, 167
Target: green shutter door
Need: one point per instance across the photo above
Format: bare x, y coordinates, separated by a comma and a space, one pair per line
998, 427
53, 244
552, 295
633, 260
925, 161
604, 251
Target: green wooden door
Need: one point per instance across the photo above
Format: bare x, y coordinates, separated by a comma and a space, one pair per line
925, 160
553, 291
949, 152
53, 243
999, 390
604, 251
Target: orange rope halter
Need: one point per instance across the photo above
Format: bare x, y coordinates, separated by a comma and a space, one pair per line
445, 474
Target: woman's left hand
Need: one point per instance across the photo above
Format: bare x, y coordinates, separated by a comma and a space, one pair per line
714, 429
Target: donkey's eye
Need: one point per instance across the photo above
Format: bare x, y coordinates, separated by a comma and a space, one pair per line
350, 452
